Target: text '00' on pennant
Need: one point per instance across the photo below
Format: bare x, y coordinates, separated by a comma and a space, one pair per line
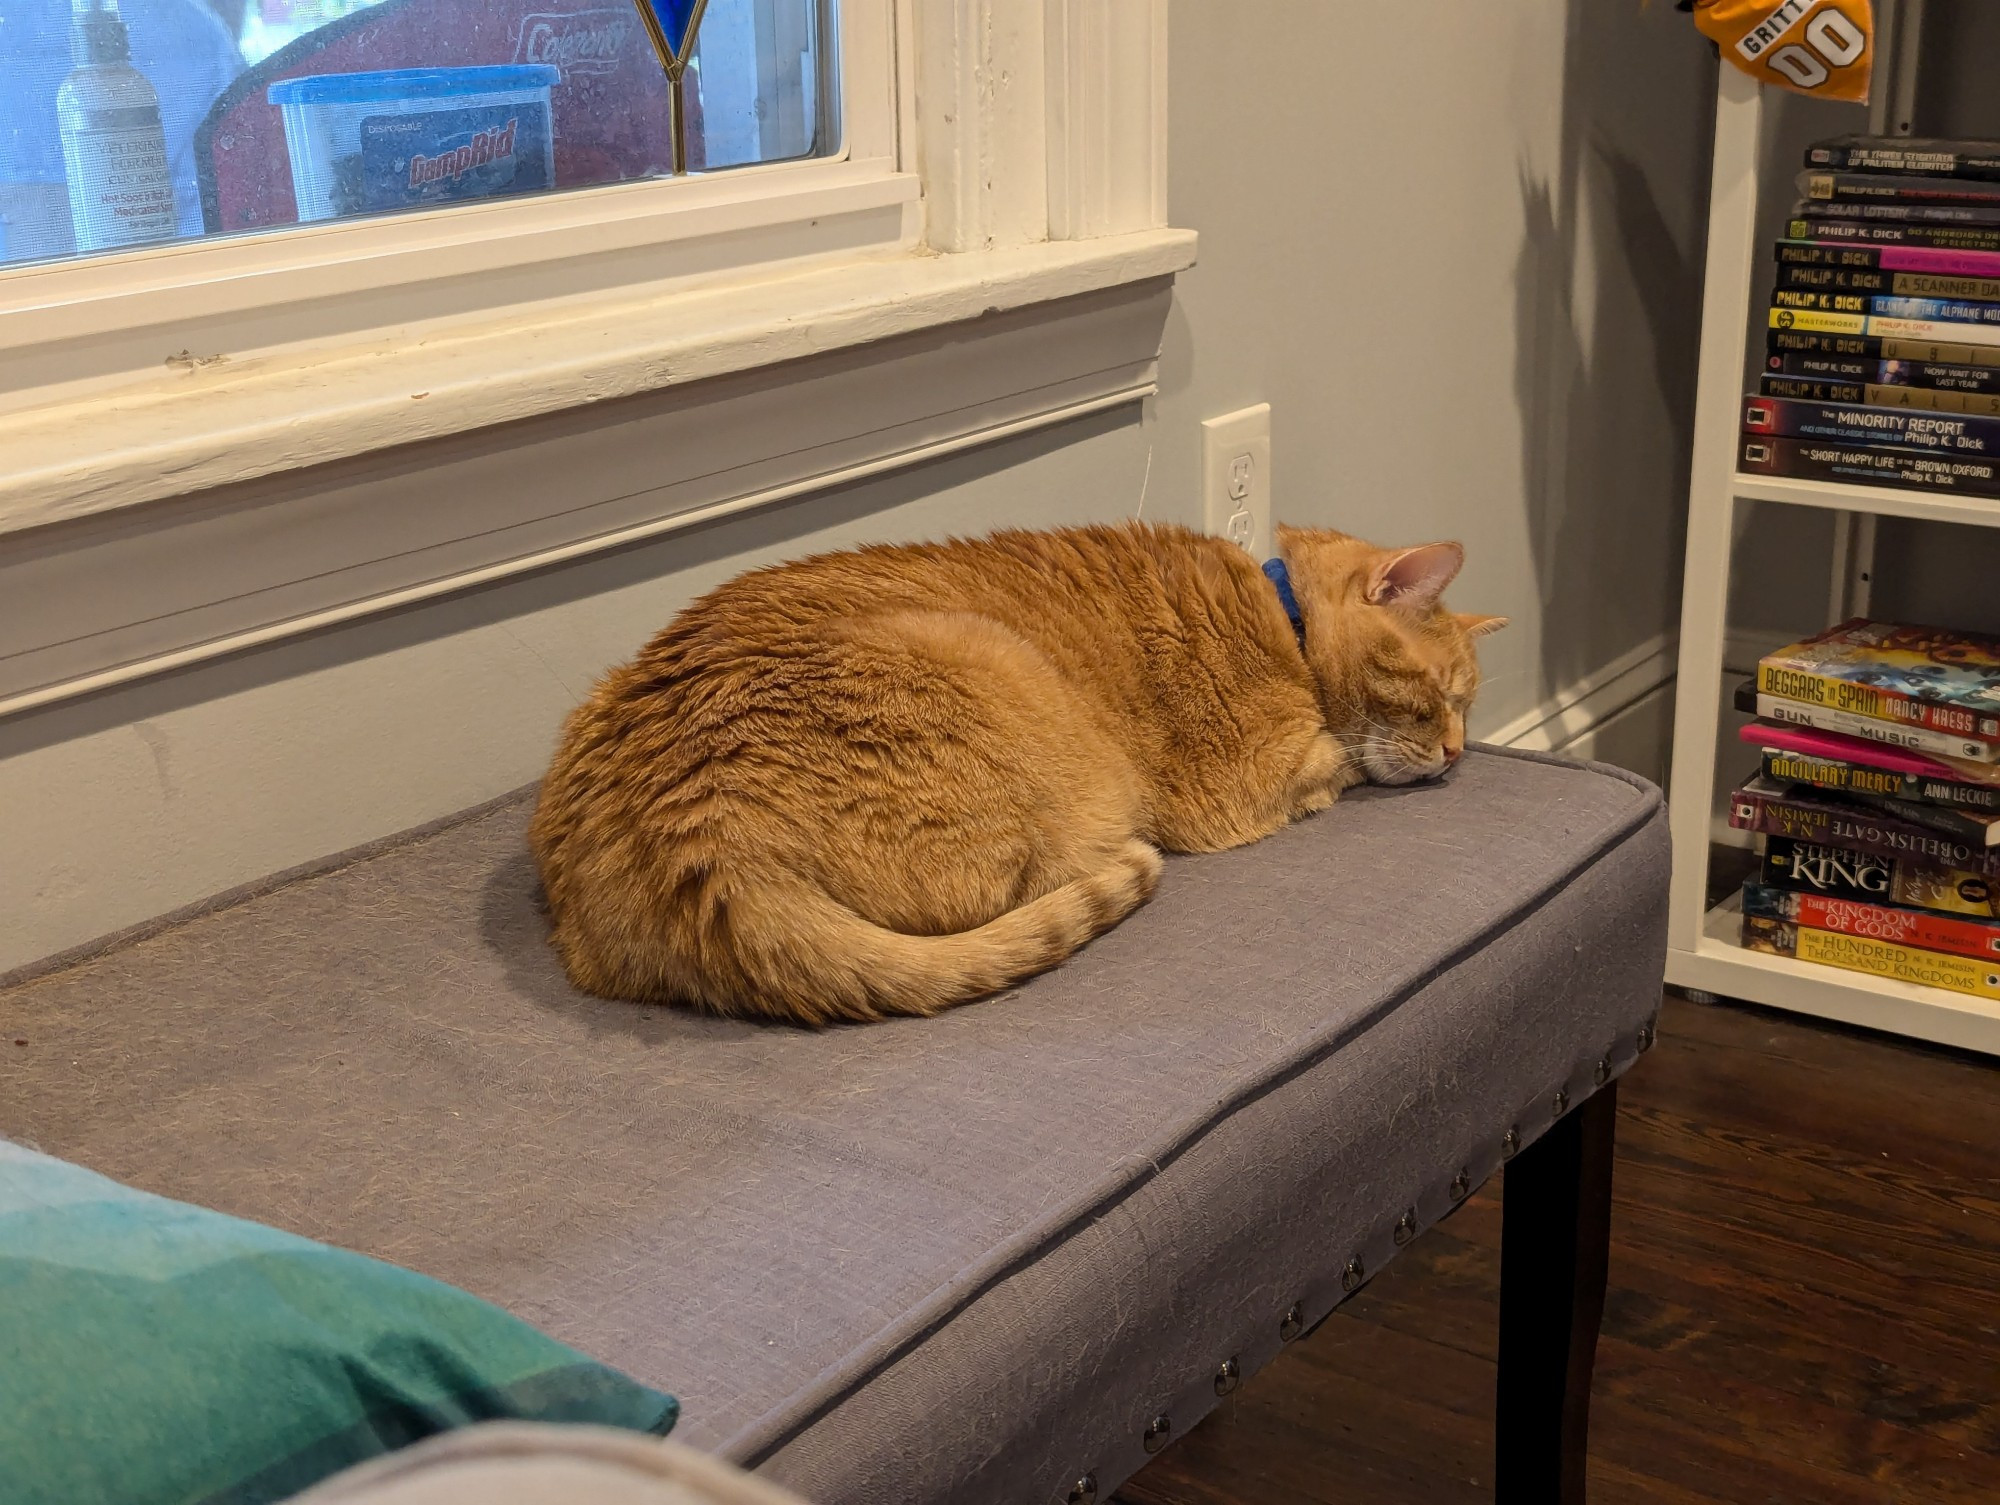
672, 24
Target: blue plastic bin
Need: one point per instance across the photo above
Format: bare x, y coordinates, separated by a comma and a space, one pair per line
367, 143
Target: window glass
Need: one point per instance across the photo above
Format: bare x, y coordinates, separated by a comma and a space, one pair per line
129, 122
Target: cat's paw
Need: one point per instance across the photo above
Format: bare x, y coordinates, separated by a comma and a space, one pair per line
1314, 801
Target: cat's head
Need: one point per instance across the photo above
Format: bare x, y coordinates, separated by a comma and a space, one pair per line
1396, 670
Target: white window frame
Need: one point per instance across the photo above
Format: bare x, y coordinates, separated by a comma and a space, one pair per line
321, 281
1003, 172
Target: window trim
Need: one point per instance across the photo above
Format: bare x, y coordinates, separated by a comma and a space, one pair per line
211, 426
331, 279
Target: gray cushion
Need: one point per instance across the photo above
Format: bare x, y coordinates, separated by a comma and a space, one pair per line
964, 1258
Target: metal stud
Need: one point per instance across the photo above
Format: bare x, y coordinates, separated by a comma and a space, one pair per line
1510, 1144
1158, 1430
1228, 1377
1645, 1038
1560, 1103
1461, 1184
1293, 1324
1603, 1072
1084, 1491
1406, 1227
1353, 1275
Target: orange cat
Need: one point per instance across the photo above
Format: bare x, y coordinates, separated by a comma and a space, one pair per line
892, 780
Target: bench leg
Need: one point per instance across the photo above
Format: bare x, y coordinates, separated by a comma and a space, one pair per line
1554, 1244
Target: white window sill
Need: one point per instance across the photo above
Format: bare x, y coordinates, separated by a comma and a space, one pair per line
216, 507
203, 424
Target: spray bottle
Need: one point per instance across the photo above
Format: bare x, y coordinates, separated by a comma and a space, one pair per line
121, 190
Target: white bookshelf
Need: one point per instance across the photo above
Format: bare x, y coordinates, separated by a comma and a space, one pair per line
1702, 950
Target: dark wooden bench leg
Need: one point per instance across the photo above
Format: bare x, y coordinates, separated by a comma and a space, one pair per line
1554, 1244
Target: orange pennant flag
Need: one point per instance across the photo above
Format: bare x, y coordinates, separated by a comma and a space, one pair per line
1825, 48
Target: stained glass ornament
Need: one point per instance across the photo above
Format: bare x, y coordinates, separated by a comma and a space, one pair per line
672, 25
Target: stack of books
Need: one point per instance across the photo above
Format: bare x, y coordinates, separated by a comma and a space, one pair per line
1882, 362
1878, 804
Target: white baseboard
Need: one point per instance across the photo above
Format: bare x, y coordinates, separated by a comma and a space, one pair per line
1578, 709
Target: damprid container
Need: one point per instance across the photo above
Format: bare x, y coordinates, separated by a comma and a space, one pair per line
363, 143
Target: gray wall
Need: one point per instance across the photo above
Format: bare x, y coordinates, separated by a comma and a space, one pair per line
1457, 247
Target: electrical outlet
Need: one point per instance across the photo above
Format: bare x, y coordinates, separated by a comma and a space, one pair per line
1236, 478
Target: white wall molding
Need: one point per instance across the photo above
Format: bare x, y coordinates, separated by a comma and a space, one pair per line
143, 590
1573, 712
1107, 116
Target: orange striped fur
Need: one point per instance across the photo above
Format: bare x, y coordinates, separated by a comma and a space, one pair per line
894, 779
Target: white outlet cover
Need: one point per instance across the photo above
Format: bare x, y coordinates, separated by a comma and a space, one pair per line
1236, 478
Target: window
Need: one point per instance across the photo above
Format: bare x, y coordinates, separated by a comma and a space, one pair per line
126, 123
222, 439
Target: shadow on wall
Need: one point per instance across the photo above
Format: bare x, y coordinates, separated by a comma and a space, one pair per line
1602, 477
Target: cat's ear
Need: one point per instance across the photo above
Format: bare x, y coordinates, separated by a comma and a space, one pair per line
1477, 626
1414, 578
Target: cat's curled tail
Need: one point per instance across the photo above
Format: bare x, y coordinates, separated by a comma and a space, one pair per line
786, 950
810, 959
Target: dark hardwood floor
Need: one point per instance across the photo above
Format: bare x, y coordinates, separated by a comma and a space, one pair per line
1804, 1305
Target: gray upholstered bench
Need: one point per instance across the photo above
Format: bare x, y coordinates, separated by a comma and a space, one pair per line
997, 1256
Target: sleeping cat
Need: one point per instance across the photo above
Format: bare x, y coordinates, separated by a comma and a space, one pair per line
895, 779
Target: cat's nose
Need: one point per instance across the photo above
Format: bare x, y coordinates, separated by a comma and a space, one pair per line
1453, 753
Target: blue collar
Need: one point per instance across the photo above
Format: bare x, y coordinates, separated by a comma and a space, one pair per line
1281, 578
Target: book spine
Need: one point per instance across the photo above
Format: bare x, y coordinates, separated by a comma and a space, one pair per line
1933, 969
1887, 306
1950, 310
1831, 773
1905, 428
1770, 814
1951, 794
1781, 342
1877, 702
1908, 155
1807, 389
1893, 188
1876, 281
1860, 779
1956, 824
1824, 302
1806, 342
1813, 322
1924, 259
1850, 369
1881, 395
1890, 793
1810, 868
1979, 216
1889, 733
1974, 381
1940, 376
1877, 922
1936, 237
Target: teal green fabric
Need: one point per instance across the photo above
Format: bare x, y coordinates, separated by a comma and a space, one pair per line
155, 1353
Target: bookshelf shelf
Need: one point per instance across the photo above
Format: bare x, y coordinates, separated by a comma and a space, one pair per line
1718, 965
1878, 501
1702, 949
